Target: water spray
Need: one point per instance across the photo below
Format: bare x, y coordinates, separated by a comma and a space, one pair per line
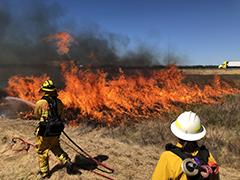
20, 100
86, 155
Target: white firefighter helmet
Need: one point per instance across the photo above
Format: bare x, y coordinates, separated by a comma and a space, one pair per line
188, 127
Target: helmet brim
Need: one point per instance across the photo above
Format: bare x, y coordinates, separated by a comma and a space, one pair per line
48, 90
187, 136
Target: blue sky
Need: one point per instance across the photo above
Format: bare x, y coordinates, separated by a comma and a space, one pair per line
204, 32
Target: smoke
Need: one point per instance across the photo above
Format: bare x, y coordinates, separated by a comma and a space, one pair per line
21, 33
4, 22
94, 48
23, 28
143, 56
99, 48
3, 94
173, 58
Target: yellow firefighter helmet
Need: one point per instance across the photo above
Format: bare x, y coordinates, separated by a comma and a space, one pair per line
48, 86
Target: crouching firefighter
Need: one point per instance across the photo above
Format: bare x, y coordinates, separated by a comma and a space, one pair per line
49, 110
186, 160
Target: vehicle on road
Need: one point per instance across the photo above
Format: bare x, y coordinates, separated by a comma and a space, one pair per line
229, 64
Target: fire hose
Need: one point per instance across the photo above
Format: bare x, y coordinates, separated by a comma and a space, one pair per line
191, 168
27, 146
110, 170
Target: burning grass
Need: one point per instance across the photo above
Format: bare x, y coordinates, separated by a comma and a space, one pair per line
114, 99
138, 145
222, 122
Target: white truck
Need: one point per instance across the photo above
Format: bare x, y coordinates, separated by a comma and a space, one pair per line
229, 64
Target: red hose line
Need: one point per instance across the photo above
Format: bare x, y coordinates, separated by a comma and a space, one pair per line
89, 156
98, 162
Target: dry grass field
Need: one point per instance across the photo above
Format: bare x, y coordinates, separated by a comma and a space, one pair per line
211, 71
132, 149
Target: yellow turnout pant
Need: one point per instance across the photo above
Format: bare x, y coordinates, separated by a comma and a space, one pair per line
43, 145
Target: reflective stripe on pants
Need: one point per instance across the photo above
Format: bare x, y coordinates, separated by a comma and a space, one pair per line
43, 145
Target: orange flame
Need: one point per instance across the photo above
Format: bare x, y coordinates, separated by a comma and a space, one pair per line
26, 88
63, 40
98, 96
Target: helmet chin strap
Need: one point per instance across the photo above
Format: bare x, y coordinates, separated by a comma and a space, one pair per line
50, 93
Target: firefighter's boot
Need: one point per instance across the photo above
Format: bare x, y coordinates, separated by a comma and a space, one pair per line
69, 167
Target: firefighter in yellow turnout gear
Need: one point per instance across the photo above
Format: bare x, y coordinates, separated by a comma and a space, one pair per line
50, 109
186, 160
